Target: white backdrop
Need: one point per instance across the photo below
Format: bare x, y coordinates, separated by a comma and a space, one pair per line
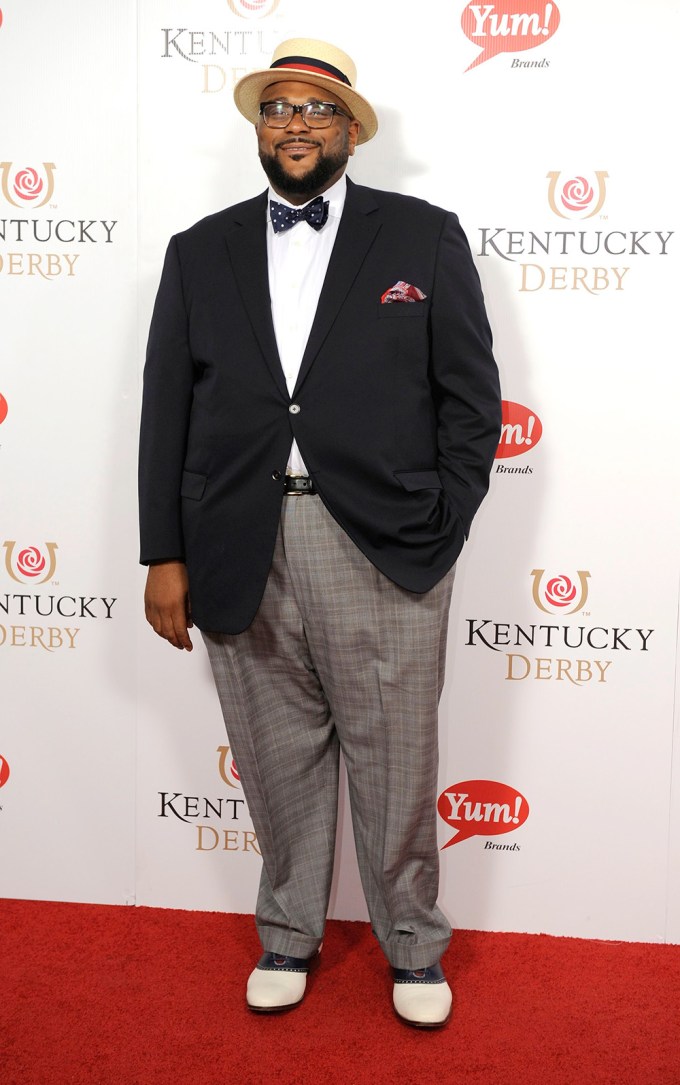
559, 786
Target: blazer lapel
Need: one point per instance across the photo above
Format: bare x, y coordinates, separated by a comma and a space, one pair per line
246, 240
359, 225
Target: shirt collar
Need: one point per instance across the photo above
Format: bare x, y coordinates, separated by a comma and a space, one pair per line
335, 195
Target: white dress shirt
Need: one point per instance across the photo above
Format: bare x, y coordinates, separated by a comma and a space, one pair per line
297, 261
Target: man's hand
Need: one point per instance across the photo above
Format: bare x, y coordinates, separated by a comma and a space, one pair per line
166, 602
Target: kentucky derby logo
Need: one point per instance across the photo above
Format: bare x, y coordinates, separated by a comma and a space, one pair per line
576, 197
227, 767
27, 187
30, 565
253, 9
561, 595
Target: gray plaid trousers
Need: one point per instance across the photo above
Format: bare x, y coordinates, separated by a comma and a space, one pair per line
339, 658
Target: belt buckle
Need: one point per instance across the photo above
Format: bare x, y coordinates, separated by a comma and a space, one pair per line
303, 489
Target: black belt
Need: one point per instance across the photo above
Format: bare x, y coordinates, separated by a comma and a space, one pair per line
299, 484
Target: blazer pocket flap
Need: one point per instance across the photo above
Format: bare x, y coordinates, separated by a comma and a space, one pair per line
402, 309
419, 480
193, 485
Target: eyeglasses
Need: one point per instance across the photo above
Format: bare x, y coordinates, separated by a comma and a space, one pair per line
314, 114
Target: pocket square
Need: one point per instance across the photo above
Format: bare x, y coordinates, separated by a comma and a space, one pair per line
402, 291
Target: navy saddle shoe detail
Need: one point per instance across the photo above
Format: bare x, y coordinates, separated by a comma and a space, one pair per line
277, 962
433, 974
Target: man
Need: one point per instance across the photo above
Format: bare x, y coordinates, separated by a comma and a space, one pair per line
321, 411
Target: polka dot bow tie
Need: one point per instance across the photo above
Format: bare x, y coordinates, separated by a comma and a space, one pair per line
315, 213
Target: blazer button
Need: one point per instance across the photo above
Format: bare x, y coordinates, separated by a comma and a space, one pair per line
276, 475
294, 408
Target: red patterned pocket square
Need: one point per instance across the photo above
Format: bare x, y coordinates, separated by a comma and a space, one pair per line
402, 291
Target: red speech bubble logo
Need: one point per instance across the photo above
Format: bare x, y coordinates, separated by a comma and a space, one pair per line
481, 808
521, 430
3, 408
508, 26
4, 771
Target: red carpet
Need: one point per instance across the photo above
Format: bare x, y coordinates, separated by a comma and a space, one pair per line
96, 995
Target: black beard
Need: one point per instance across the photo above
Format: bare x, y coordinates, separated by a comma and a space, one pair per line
314, 181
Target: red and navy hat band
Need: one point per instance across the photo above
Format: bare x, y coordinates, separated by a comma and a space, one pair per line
310, 64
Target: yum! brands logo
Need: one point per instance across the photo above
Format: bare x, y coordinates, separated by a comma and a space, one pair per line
560, 647
510, 26
27, 186
521, 430
482, 808
577, 256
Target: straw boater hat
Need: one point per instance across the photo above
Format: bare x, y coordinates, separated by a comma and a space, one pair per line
314, 62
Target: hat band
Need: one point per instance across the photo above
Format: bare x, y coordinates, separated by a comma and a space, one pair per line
309, 64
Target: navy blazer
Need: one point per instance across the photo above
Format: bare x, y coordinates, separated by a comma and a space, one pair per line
397, 406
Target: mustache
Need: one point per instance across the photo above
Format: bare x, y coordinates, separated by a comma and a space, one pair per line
298, 139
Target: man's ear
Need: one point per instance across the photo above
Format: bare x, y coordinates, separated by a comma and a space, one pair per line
353, 134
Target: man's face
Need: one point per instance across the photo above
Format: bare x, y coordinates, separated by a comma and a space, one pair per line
302, 162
